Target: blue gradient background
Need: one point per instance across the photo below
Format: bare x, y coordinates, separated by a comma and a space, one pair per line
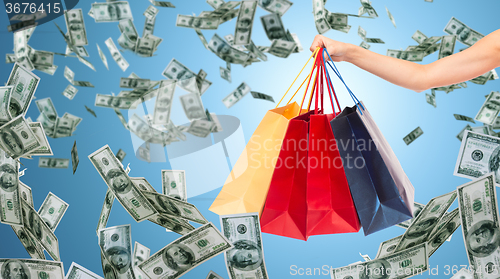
428, 162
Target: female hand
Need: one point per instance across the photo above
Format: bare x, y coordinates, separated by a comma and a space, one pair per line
337, 50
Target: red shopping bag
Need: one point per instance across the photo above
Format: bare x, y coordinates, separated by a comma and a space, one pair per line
311, 196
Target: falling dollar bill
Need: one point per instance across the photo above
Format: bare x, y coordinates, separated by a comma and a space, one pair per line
53, 163
111, 11
399, 265
464, 33
39, 230
413, 135
430, 99
116, 102
391, 17
479, 155
185, 253
243, 32
142, 184
479, 215
111, 171
140, 254
24, 84
276, 6
445, 228
120, 155
225, 74
117, 56
387, 247
76, 27
490, 109
420, 230
10, 202
262, 96
197, 22
106, 210
30, 268
447, 46
281, 48
185, 77
201, 127
163, 104
173, 207
417, 208
463, 118
74, 157
70, 92
164, 4
77, 271
34, 249
236, 95
174, 184
246, 259
5, 92
193, 106
117, 242
102, 56
273, 26
17, 138
461, 134
52, 210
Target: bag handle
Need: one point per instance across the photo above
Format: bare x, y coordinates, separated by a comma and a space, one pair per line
308, 83
313, 55
318, 89
330, 85
336, 71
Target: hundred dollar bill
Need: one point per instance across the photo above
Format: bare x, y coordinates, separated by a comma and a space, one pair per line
185, 77
174, 184
74, 157
275, 6
102, 56
243, 32
463, 118
117, 242
482, 79
24, 84
163, 104
116, 102
25, 193
135, 83
273, 26
149, 26
75, 119
10, 201
387, 247
364, 45
461, 134
122, 63
282, 48
463, 32
151, 12
399, 265
172, 224
52, 210
225, 74
164, 4
185, 253
374, 41
5, 92
197, 22
256, 51
246, 259
391, 17
262, 96
413, 135
224, 9
37, 228
39, 132
139, 127
140, 254
225, 52
111, 11
236, 95
70, 92
53, 163
193, 106
201, 128
213, 118
213, 275
105, 211
368, 8
76, 27
77, 271
447, 46
64, 127
34, 249
32, 268
417, 208
406, 55
423, 225
320, 20
128, 38
479, 215
479, 154
431, 99
490, 109
445, 228
17, 138
173, 207
120, 155
215, 3
118, 181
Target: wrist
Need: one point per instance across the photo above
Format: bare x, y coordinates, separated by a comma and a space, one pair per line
352, 53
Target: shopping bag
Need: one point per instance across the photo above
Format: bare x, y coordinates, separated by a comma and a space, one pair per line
246, 187
381, 191
310, 197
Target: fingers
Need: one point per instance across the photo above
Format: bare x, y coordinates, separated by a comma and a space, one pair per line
317, 42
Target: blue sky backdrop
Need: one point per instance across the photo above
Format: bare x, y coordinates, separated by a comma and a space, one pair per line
428, 162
